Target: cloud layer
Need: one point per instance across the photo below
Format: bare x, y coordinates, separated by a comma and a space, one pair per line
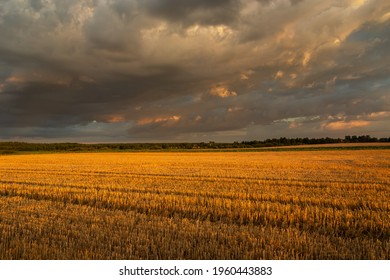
170, 70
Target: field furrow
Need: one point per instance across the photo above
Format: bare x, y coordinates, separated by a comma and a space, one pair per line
290, 205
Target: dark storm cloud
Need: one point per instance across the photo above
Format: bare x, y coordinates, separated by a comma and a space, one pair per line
193, 11
186, 70
113, 28
36, 4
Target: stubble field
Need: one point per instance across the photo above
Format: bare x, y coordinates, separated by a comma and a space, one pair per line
243, 205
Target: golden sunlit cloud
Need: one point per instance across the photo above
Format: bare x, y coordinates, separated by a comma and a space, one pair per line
306, 58
376, 115
222, 91
145, 121
341, 125
385, 17
246, 75
279, 74
218, 32
358, 3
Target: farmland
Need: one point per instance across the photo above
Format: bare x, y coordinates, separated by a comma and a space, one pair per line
167, 205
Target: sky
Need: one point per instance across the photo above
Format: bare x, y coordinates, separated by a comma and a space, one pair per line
193, 71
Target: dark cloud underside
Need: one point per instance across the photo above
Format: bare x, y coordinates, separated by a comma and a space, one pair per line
169, 70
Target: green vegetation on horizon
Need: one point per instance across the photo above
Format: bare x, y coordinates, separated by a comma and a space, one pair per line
269, 144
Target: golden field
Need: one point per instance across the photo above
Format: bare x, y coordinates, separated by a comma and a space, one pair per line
221, 205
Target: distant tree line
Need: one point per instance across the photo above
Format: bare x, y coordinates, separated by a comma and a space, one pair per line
308, 141
12, 147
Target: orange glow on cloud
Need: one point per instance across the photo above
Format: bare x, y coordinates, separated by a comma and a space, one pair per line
115, 119
306, 58
340, 125
14, 79
385, 17
40, 77
222, 92
294, 125
279, 74
379, 115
